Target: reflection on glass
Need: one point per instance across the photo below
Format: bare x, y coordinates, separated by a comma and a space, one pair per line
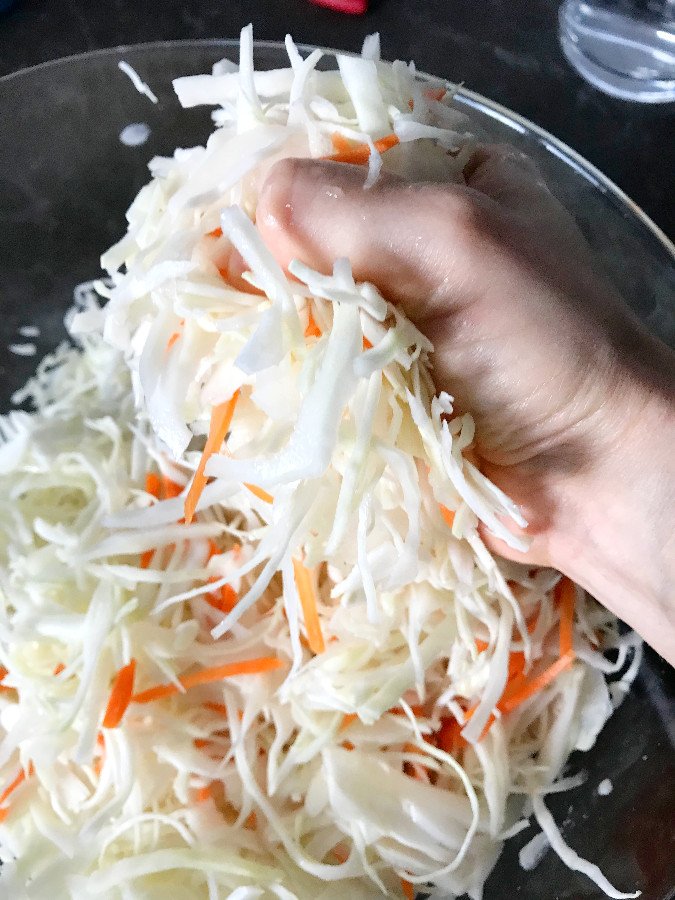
624, 48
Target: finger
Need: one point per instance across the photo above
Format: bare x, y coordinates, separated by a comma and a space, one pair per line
526, 488
508, 176
411, 240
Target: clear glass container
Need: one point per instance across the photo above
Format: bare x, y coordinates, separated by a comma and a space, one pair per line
623, 47
68, 171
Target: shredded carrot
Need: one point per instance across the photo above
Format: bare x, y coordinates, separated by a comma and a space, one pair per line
366, 344
408, 890
170, 489
216, 707
221, 417
152, 484
448, 515
415, 708
3, 674
359, 153
225, 600
251, 821
146, 558
516, 664
449, 736
341, 144
481, 646
214, 550
204, 793
340, 853
216, 233
200, 743
312, 329
303, 580
259, 492
20, 778
435, 93
533, 620
58, 668
347, 720
161, 487
120, 695
347, 745
522, 688
566, 596
172, 340
209, 675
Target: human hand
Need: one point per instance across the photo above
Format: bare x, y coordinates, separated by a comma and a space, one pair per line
570, 394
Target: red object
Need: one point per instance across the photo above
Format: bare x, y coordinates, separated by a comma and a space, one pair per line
351, 7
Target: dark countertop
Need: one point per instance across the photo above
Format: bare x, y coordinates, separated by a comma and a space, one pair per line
504, 49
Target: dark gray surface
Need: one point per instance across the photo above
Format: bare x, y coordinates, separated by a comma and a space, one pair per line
504, 49
65, 181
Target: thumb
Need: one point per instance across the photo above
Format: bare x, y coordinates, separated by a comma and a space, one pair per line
411, 240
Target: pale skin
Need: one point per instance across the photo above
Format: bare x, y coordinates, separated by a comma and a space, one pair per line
574, 401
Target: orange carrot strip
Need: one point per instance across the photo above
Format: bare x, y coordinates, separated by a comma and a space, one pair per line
120, 695
449, 735
152, 484
566, 595
435, 93
225, 600
303, 580
20, 778
221, 417
216, 233
312, 329
448, 515
516, 664
204, 793
172, 340
216, 707
209, 675
251, 821
259, 492
481, 646
347, 720
341, 144
415, 708
58, 668
340, 853
146, 558
213, 550
359, 153
170, 489
366, 344
522, 688
408, 890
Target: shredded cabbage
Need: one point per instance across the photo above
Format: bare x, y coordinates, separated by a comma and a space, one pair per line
337, 540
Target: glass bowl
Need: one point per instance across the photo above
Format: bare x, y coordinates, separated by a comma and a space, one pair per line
68, 171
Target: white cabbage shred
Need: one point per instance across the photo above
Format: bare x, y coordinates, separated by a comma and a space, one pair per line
343, 770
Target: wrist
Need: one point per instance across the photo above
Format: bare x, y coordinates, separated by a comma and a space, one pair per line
616, 530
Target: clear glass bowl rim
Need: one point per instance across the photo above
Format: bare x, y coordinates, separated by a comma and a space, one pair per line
468, 97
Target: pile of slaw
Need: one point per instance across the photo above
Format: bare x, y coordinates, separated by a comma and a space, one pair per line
252, 643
